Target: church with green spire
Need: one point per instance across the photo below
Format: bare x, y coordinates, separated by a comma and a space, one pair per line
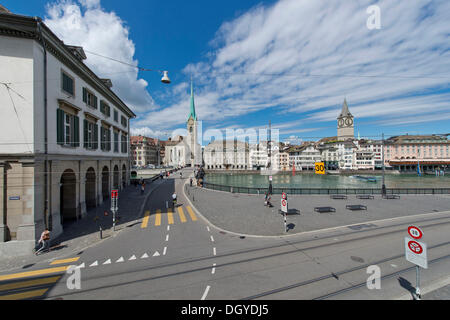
192, 133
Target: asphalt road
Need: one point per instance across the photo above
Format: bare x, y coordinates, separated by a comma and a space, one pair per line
180, 256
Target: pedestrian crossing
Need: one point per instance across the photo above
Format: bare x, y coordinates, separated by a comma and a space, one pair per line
19, 289
170, 217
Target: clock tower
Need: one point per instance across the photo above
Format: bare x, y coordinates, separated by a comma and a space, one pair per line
345, 129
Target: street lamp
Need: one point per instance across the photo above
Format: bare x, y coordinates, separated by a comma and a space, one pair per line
165, 78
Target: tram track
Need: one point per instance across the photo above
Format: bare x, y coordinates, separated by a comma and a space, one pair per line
338, 274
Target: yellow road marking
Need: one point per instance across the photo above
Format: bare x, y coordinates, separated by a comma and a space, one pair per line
145, 220
33, 273
65, 261
24, 295
181, 213
29, 283
158, 218
170, 216
191, 213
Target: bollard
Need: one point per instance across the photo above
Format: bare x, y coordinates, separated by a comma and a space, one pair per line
101, 235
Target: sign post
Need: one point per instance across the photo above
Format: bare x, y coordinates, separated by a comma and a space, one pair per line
284, 208
114, 205
416, 252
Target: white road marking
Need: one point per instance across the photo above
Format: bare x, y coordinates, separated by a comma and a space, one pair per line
213, 269
94, 264
168, 228
107, 261
208, 228
156, 254
120, 260
145, 255
164, 252
167, 237
214, 250
80, 266
133, 257
205, 293
394, 265
212, 239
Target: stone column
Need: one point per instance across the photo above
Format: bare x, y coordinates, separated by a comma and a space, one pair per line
4, 234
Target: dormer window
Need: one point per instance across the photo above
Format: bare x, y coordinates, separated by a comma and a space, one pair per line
89, 98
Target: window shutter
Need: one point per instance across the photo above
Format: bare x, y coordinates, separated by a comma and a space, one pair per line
102, 138
95, 144
108, 135
95, 102
85, 133
76, 131
84, 95
60, 126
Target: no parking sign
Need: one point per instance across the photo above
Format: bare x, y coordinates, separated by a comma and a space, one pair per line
284, 203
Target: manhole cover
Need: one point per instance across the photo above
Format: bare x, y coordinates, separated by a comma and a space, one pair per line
357, 259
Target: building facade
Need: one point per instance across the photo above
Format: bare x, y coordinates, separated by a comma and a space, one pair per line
227, 155
304, 157
64, 134
145, 151
407, 152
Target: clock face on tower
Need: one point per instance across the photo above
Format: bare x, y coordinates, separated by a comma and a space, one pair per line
348, 122
341, 122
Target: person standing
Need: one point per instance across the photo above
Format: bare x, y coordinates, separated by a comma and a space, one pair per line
142, 187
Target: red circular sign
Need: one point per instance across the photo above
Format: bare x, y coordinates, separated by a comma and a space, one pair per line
415, 232
283, 203
415, 247
283, 195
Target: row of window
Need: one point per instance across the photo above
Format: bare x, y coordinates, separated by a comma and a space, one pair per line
68, 133
68, 86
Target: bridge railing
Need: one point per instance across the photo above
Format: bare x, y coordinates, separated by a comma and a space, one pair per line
328, 191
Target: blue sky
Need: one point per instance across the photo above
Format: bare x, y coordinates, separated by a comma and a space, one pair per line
289, 61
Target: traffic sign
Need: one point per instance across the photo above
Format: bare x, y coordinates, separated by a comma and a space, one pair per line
114, 194
284, 205
416, 252
415, 232
284, 196
320, 168
270, 178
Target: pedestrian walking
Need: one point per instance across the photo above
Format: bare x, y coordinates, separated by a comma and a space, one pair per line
190, 182
181, 175
44, 241
174, 199
142, 187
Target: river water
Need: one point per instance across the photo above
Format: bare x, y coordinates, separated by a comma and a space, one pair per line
327, 181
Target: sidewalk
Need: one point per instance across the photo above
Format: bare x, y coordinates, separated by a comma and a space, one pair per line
84, 233
246, 214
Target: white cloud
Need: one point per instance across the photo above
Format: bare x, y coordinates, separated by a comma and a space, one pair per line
305, 56
85, 23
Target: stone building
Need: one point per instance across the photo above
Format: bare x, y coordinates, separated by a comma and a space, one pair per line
407, 152
64, 134
145, 151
